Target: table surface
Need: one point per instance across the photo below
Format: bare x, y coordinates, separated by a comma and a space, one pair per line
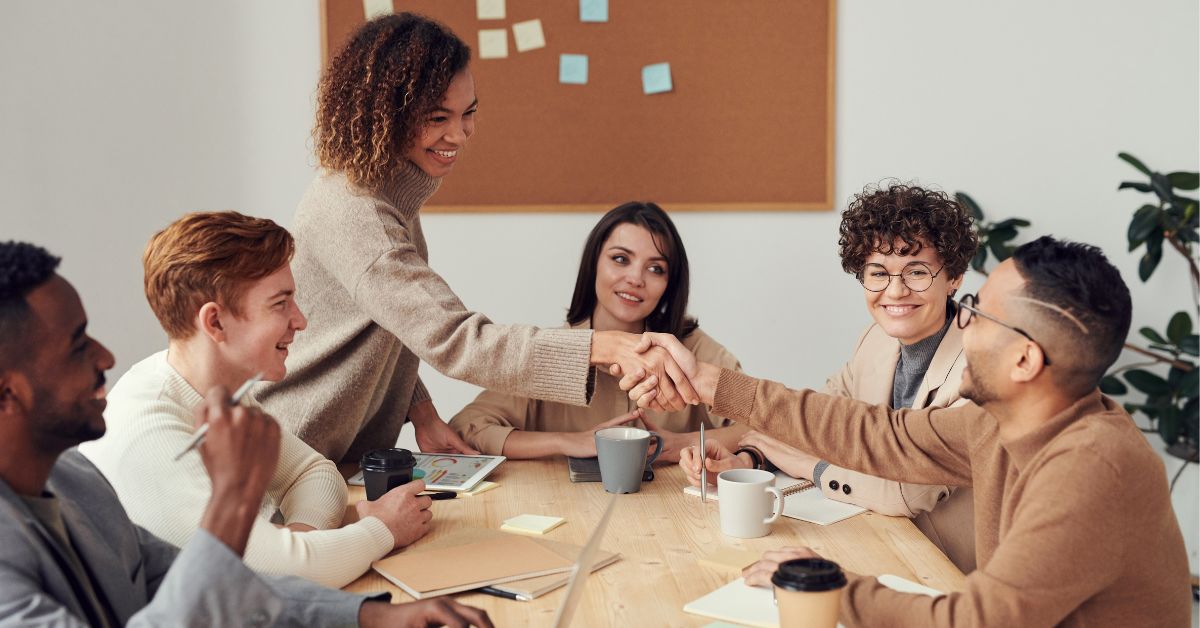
660, 533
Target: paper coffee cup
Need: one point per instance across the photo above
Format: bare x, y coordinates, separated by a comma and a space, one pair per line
808, 592
385, 469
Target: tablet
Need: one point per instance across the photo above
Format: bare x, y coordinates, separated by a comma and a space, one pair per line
449, 472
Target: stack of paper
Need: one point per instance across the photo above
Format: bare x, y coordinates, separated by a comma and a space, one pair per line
532, 524
459, 567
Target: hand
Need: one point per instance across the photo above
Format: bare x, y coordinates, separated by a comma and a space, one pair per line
406, 514
433, 435
626, 353
439, 611
583, 444
652, 343
790, 460
718, 459
673, 442
240, 453
759, 574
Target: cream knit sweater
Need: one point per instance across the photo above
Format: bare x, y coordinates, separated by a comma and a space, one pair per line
149, 420
376, 310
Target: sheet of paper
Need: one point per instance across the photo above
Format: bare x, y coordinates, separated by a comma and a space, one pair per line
656, 78
529, 35
374, 8
729, 558
533, 524
482, 487
573, 69
493, 43
593, 10
489, 9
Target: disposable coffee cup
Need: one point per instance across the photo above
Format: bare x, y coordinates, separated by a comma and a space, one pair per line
385, 469
808, 592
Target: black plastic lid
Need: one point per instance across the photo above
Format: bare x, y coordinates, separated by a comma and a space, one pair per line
809, 574
388, 460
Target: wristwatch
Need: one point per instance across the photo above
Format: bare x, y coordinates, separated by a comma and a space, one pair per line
756, 456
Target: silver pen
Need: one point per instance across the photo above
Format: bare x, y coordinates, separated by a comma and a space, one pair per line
703, 472
198, 437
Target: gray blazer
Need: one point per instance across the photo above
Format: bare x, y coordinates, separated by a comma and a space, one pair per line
147, 581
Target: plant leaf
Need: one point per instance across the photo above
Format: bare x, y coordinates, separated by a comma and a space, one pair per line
1190, 345
1179, 328
980, 258
1152, 335
1150, 260
1145, 220
1191, 418
1135, 162
1162, 187
1147, 382
999, 249
1165, 348
1188, 234
1112, 385
970, 204
1002, 234
1189, 385
1011, 222
1140, 187
1169, 425
1184, 180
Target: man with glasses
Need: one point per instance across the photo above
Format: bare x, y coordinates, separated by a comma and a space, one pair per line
1074, 524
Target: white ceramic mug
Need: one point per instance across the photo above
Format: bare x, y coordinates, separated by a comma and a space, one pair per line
745, 499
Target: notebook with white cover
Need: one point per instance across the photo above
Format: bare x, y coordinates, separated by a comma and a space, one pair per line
806, 505
742, 604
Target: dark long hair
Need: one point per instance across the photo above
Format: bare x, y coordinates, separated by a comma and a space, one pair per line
670, 313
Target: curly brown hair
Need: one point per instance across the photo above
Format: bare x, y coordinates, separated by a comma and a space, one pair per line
917, 217
373, 97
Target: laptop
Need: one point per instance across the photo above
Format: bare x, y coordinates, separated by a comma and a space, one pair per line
583, 568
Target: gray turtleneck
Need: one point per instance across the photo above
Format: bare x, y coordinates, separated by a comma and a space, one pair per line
910, 369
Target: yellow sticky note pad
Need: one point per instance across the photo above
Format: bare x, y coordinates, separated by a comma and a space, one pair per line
532, 524
482, 487
529, 35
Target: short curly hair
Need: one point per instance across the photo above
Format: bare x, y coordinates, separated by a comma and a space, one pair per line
918, 217
373, 97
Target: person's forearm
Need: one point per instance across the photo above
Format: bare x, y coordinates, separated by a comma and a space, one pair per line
705, 381
523, 445
229, 518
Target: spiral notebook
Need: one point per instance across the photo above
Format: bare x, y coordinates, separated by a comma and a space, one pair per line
799, 501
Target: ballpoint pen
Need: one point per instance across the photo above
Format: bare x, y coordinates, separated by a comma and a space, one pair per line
198, 437
703, 471
502, 593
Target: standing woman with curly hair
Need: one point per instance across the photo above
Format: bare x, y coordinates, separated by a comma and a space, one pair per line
396, 108
909, 247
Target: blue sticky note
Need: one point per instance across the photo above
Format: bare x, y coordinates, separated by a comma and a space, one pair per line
656, 78
593, 10
573, 69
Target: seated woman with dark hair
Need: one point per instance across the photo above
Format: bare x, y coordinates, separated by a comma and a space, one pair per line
633, 278
908, 247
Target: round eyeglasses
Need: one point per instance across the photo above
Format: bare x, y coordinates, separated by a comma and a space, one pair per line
916, 276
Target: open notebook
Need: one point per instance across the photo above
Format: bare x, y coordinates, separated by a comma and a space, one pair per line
801, 501
742, 604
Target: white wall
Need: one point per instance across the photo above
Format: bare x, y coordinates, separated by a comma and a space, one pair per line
116, 117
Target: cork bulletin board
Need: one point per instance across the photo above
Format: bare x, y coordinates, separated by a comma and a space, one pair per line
747, 126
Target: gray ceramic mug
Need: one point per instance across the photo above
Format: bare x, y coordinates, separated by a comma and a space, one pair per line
622, 454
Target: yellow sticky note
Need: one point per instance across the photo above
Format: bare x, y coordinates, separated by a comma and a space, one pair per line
532, 524
482, 487
493, 43
375, 8
529, 35
489, 9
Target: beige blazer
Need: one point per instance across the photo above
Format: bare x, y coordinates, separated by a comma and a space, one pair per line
868, 376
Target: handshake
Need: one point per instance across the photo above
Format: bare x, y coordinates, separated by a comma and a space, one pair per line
659, 373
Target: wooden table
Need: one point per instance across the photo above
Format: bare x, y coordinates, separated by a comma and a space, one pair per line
660, 533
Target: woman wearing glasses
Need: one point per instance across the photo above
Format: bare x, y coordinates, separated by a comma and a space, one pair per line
908, 247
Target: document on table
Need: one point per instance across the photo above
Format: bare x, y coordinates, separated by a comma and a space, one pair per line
808, 505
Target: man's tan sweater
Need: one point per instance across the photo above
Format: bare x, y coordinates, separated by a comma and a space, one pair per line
1073, 522
376, 309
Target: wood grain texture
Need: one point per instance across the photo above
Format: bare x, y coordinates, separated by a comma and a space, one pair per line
661, 534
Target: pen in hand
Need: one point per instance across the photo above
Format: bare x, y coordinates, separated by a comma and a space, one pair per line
198, 437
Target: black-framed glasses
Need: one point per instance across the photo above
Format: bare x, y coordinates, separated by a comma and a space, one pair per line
967, 311
916, 276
